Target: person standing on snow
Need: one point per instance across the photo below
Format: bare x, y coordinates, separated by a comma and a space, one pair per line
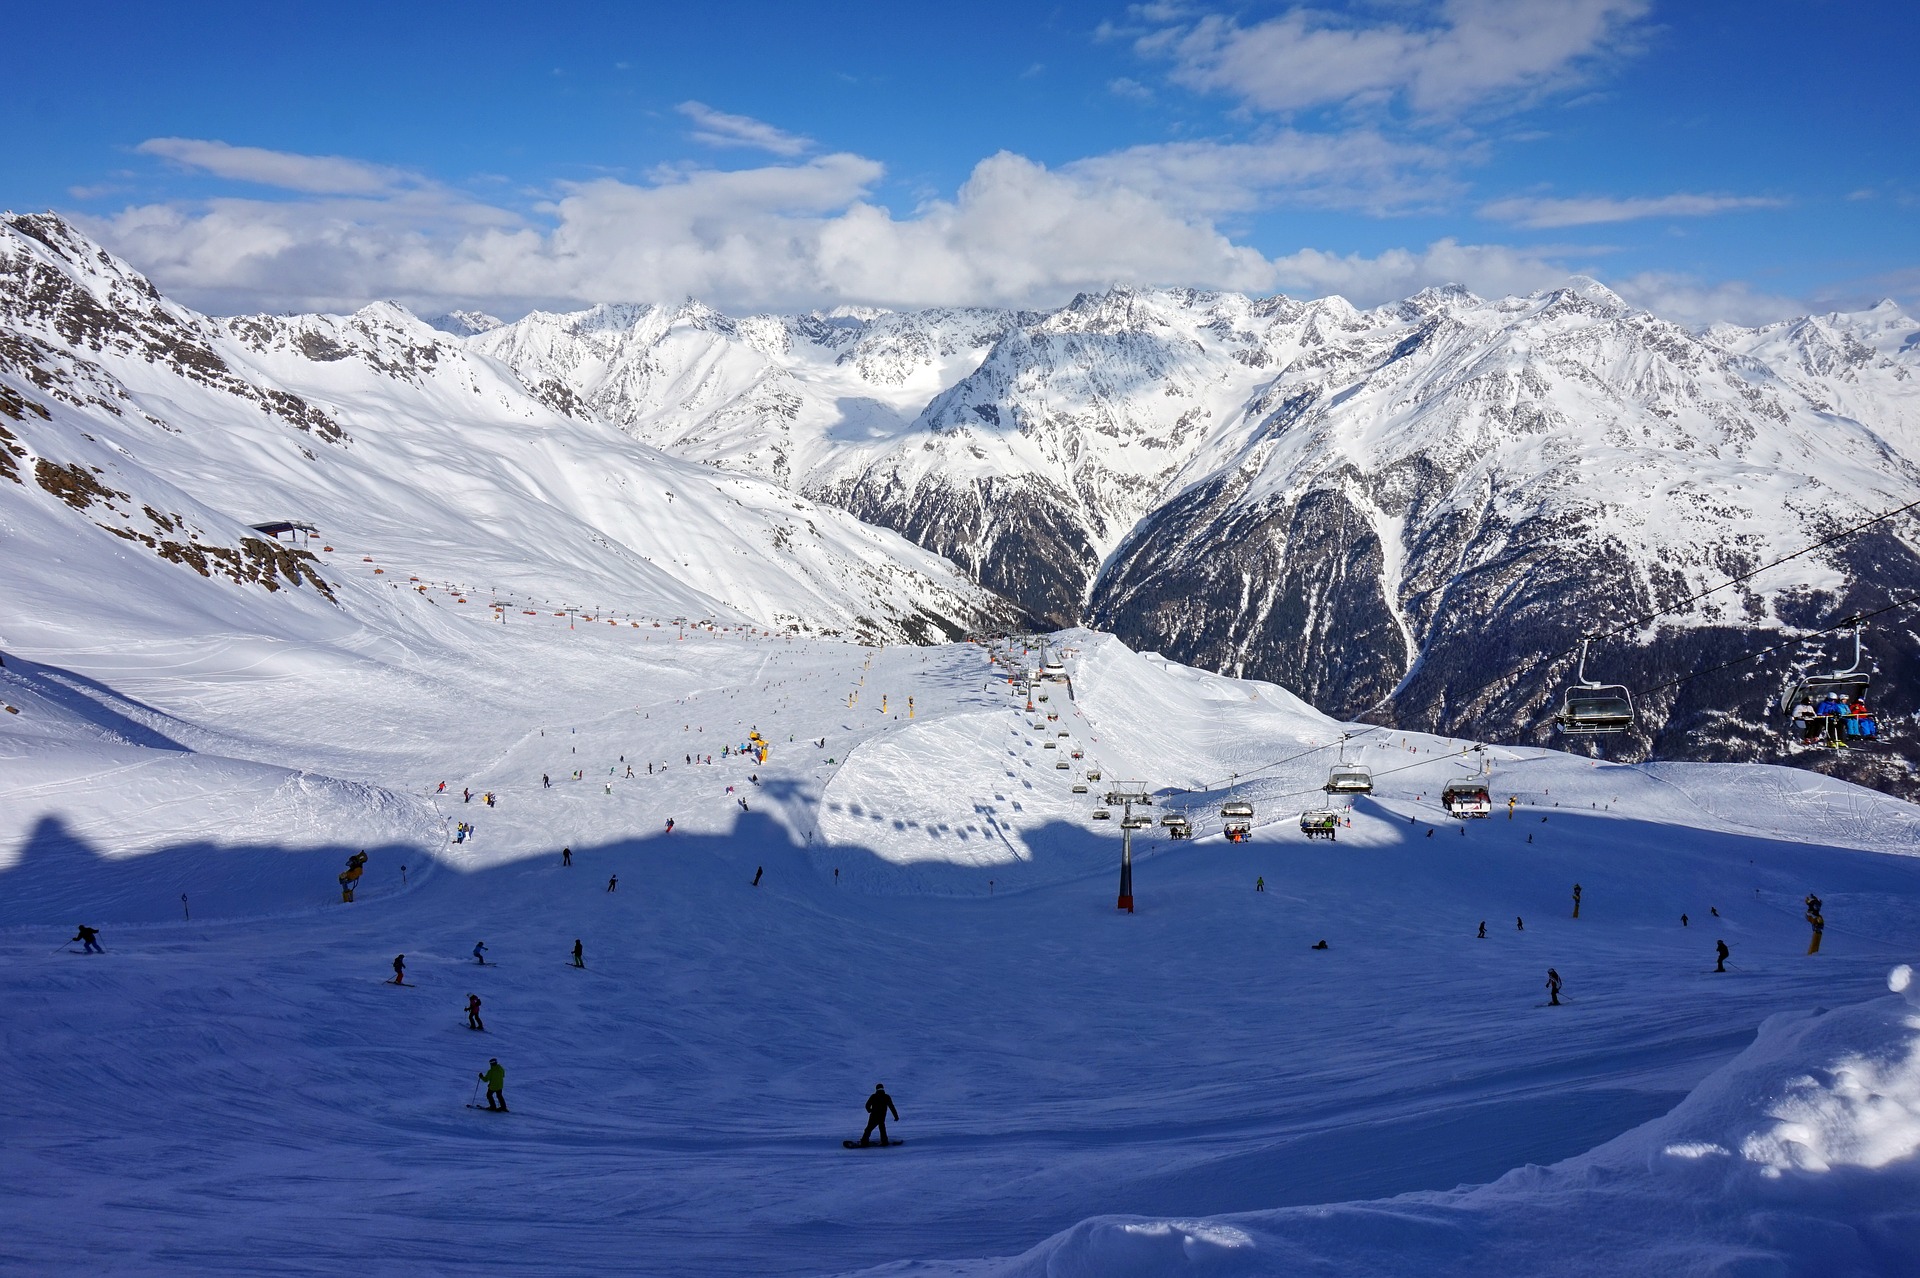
1721, 949
399, 969
473, 1013
480, 953
1483, 929
879, 1105
758, 870
613, 882
566, 856
1576, 900
669, 825
495, 1078
1553, 988
578, 953
89, 937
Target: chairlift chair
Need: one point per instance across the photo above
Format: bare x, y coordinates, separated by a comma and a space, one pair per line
1062, 764
1238, 831
1178, 827
1350, 778
1320, 824
1590, 709
1237, 809
1838, 688
1093, 775
1101, 814
1135, 821
1079, 787
1466, 797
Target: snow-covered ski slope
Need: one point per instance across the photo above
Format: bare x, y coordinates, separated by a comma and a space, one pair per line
239, 1091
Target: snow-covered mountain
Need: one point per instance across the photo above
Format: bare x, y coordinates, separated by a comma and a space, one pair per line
130, 426
1411, 512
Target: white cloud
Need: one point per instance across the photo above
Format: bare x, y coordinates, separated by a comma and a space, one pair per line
1491, 270
1468, 52
1359, 169
808, 233
315, 174
718, 128
1589, 211
1687, 299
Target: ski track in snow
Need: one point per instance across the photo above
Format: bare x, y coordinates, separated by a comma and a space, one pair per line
242, 1086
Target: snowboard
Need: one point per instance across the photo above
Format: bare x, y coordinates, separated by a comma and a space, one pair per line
854, 1144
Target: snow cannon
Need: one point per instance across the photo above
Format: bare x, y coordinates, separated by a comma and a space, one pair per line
356, 866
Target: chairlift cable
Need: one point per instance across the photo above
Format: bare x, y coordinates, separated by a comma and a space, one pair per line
1847, 624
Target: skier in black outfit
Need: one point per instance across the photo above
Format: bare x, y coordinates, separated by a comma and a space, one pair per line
1553, 988
1483, 929
566, 856
758, 870
89, 937
1722, 950
399, 969
473, 1013
578, 961
879, 1105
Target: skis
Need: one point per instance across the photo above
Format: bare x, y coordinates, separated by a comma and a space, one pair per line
405, 985
858, 1144
488, 1109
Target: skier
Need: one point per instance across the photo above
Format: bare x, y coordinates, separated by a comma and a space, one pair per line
1553, 988
473, 1013
466, 795
442, 789
566, 856
546, 782
480, 953
613, 881
1683, 921
1721, 949
495, 1078
743, 804
1260, 883
399, 969
578, 953
758, 870
88, 937
1576, 900
669, 825
1483, 929
879, 1105
1519, 924
1321, 944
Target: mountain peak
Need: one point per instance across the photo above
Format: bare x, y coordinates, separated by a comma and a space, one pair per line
465, 323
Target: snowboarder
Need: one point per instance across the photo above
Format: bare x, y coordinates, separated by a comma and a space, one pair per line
480, 953
879, 1105
1260, 883
669, 825
566, 856
89, 937
399, 969
1720, 948
495, 1078
578, 954
1483, 929
743, 804
1553, 988
758, 870
613, 881
1576, 900
473, 1013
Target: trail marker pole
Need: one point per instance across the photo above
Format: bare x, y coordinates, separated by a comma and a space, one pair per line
184, 911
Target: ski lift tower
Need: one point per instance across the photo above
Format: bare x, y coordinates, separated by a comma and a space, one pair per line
1126, 794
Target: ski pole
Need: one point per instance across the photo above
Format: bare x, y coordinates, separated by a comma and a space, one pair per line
476, 1095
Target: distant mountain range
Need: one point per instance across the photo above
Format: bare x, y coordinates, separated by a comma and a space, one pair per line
1409, 514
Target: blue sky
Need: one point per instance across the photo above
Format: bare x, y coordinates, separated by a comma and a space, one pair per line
1709, 160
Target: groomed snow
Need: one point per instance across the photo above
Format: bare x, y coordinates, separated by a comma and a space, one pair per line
241, 1092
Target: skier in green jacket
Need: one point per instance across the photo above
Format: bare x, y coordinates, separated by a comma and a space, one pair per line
495, 1079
